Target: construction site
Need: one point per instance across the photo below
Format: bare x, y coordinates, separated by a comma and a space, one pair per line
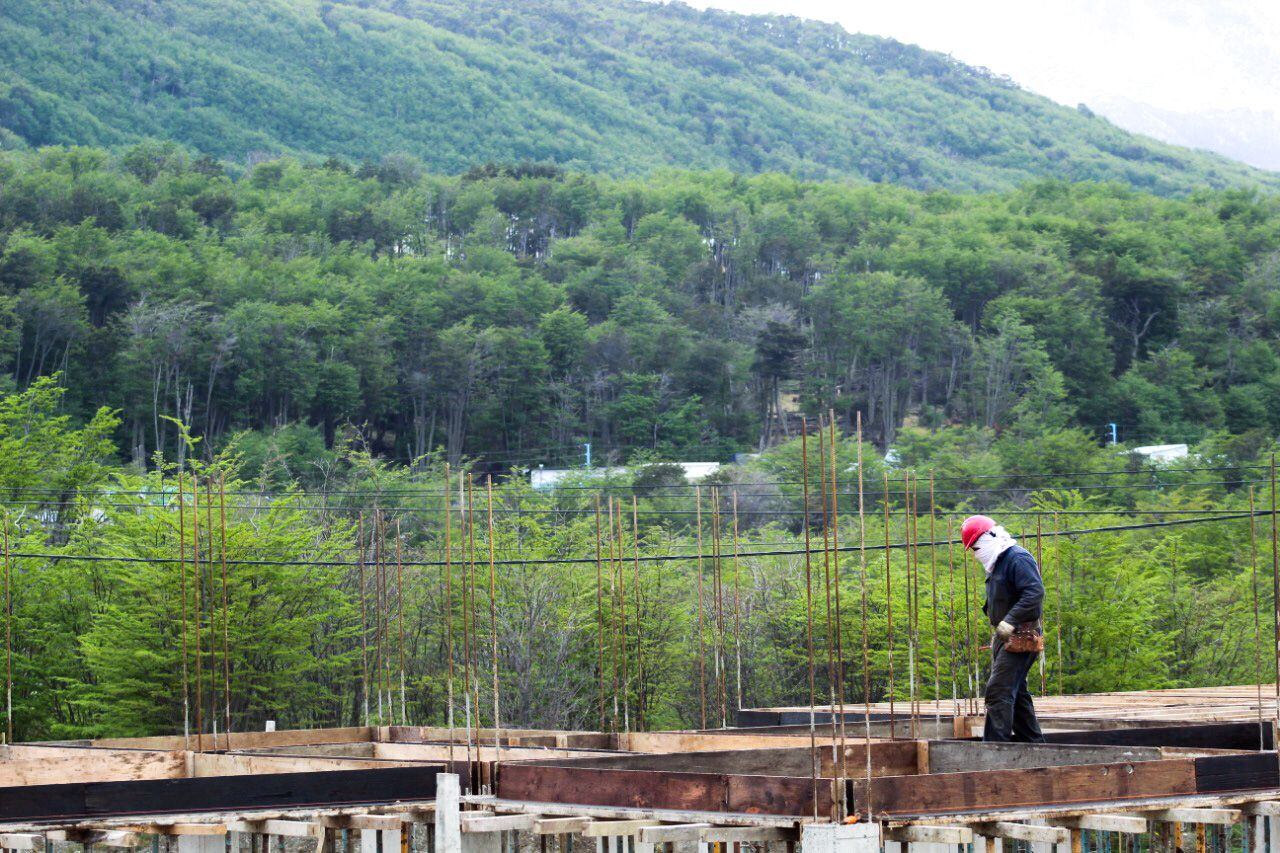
842, 772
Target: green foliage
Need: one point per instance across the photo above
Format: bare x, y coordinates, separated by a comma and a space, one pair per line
611, 85
520, 313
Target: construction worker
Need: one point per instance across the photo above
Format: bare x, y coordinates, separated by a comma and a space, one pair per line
1015, 593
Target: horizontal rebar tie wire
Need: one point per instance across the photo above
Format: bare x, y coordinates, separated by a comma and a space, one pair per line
426, 491
658, 558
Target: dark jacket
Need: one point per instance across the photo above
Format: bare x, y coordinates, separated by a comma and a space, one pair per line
1014, 589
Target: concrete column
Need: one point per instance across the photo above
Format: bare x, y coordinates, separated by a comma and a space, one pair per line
840, 838
448, 824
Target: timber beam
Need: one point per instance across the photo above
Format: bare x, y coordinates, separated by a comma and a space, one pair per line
560, 825
498, 823
610, 828
915, 833
287, 828
1225, 817
1024, 832
747, 834
1124, 823
673, 832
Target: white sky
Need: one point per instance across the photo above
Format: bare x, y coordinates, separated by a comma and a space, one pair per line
1177, 55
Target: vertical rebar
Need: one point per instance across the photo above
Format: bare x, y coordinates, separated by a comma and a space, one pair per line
933, 602
1275, 578
1257, 619
911, 643
866, 654
624, 649
1040, 564
364, 622
635, 552
8, 634
951, 618
195, 564
600, 615
1058, 586
493, 624
404, 712
826, 584
717, 574
888, 605
469, 686
737, 605
702, 653
808, 611
835, 577
448, 604
182, 586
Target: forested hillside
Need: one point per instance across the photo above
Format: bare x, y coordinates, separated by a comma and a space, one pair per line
514, 314
606, 85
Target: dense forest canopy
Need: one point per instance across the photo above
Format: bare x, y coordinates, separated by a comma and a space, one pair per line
606, 85
516, 313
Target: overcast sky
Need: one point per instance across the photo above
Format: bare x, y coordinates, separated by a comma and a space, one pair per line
1176, 55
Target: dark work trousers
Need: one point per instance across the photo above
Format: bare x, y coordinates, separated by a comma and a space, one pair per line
1010, 714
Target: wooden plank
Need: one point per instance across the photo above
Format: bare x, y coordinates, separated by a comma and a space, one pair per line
920, 833
498, 823
246, 740
218, 765
287, 828
748, 834
610, 828
1262, 808
440, 752
187, 796
100, 837
678, 791
673, 832
1225, 817
951, 792
66, 765
370, 822
1025, 832
1128, 824
968, 756
1211, 735
560, 825
179, 828
1237, 772
668, 742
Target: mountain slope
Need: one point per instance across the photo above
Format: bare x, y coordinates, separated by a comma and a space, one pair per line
611, 85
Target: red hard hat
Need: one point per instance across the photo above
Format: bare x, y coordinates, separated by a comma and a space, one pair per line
973, 527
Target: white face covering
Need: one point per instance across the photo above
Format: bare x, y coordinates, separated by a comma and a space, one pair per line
991, 545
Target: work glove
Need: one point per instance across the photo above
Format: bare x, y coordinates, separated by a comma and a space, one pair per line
1004, 630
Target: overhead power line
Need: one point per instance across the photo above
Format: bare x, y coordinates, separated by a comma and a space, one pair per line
654, 558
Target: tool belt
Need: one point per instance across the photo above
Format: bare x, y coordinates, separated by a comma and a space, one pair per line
1025, 638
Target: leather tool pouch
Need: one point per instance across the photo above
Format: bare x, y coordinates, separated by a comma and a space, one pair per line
1025, 638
